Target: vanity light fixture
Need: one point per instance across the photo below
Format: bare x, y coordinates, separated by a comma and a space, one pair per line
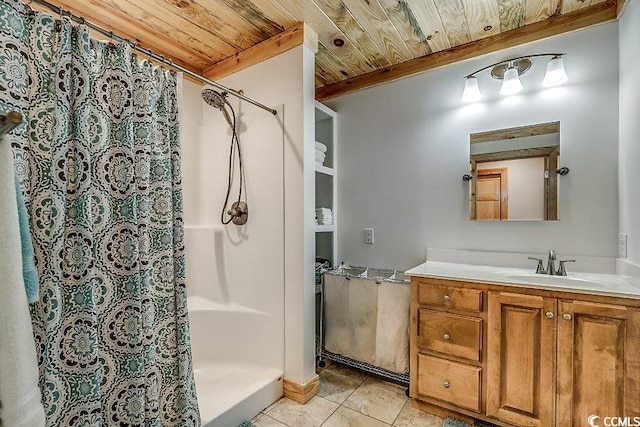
511, 82
510, 70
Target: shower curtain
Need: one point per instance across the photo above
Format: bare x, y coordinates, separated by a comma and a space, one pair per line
99, 160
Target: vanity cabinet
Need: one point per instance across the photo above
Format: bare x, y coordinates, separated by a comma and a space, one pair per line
518, 356
521, 358
598, 361
447, 330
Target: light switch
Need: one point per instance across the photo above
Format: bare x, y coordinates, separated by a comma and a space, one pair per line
368, 236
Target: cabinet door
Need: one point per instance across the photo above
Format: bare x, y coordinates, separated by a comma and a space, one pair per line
521, 349
598, 362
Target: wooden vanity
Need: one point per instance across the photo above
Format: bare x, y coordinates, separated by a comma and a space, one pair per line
523, 356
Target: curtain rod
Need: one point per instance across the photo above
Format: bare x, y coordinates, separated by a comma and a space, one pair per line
60, 11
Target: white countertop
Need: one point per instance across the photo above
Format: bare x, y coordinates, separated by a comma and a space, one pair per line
588, 283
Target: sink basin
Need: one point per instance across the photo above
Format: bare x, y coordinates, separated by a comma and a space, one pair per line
560, 281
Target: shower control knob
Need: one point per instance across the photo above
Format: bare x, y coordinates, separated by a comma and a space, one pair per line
446, 298
447, 337
446, 384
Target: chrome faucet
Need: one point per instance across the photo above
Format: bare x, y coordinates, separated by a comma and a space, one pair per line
551, 268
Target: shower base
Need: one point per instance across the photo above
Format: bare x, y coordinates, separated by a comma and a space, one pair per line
229, 393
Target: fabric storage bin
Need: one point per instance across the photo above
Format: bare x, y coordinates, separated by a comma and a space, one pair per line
366, 316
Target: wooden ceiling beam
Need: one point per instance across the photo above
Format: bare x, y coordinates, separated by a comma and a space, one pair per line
559, 24
294, 36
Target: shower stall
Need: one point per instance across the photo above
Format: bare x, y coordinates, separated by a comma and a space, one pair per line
235, 275
235, 366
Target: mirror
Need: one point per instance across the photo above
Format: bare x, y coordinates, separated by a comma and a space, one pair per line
513, 173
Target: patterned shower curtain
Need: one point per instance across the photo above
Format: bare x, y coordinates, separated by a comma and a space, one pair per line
99, 160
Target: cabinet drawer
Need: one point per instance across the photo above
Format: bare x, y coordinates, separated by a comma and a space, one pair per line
451, 334
450, 297
451, 382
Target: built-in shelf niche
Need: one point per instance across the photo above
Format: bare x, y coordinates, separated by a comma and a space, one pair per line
325, 182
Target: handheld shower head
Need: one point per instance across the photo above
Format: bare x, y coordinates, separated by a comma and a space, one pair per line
214, 98
239, 212
218, 100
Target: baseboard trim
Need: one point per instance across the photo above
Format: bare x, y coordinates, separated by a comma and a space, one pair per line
301, 393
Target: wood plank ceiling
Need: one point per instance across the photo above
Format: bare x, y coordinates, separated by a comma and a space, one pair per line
355, 37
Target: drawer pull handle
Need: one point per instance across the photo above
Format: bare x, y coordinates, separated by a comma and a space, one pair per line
549, 314
446, 384
566, 316
446, 298
447, 337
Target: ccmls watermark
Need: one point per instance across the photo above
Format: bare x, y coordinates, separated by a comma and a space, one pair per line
596, 421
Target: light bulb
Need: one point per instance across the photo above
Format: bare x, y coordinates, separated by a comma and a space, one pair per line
471, 90
511, 83
555, 75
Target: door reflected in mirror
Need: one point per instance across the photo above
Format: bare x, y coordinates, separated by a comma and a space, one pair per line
514, 173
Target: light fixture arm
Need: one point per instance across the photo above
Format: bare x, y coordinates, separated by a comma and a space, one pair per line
510, 60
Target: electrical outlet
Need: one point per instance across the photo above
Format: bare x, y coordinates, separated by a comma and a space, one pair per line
368, 236
622, 245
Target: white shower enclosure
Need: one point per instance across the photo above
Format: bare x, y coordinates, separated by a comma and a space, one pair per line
234, 337
235, 274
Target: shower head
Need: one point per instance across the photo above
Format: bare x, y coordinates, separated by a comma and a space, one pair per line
218, 100
214, 98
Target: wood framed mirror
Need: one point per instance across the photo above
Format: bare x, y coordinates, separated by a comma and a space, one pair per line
514, 173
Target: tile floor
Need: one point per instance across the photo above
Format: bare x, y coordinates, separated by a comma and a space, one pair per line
348, 398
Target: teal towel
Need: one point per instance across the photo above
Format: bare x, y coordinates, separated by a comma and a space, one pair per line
29, 271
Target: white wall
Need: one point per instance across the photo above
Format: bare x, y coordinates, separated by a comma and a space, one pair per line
630, 129
404, 146
218, 256
525, 186
260, 266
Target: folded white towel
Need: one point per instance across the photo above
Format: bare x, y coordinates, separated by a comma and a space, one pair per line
19, 391
320, 156
320, 146
320, 153
323, 210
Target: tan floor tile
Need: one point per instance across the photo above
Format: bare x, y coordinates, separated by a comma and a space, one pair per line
270, 407
264, 420
345, 417
389, 385
313, 414
413, 417
376, 401
336, 387
346, 371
